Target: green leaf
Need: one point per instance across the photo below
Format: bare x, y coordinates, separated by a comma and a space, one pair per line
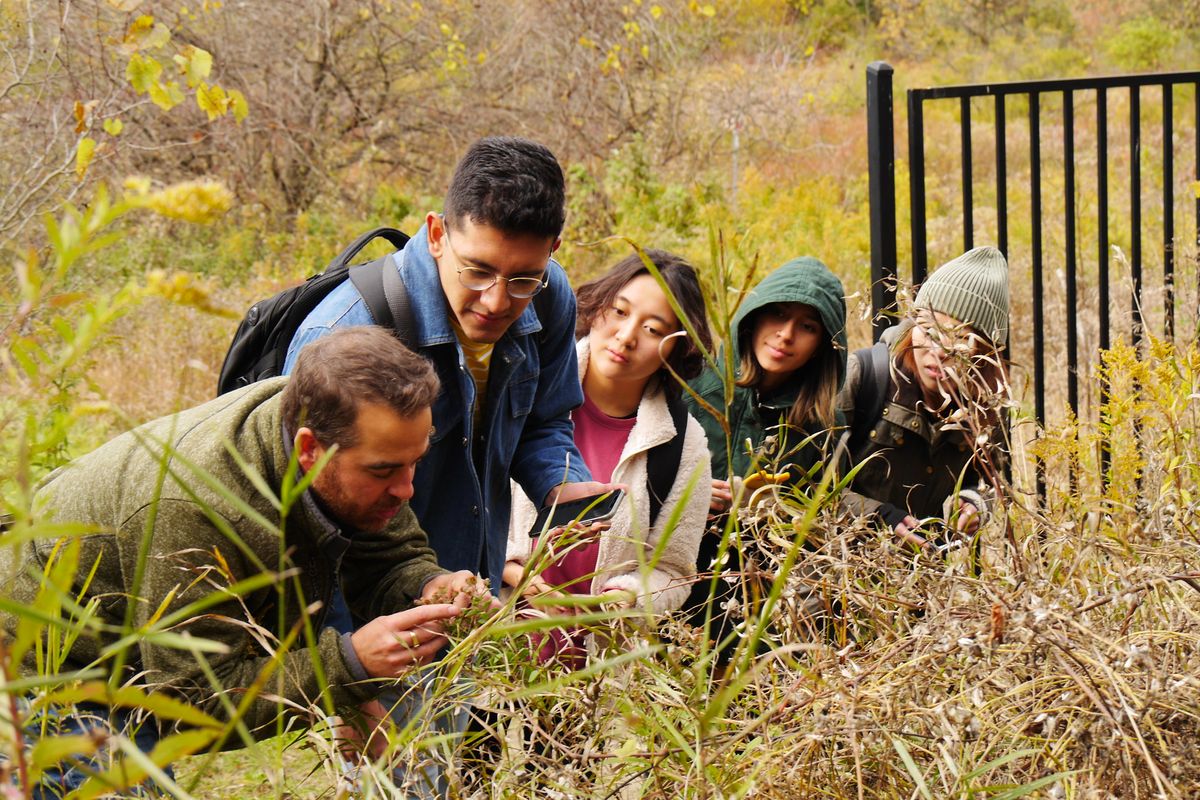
50, 751
983, 769
137, 766
181, 641
21, 351
911, 766
161, 705
1031, 787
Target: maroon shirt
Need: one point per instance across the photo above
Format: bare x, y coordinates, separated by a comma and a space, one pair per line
601, 439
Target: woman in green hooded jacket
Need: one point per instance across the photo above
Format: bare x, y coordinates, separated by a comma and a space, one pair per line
789, 341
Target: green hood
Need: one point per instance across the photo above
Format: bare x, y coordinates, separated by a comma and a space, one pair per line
802, 280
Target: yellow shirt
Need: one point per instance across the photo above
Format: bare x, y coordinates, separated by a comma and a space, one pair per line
479, 361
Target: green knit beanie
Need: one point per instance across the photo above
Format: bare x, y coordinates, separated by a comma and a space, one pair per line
973, 289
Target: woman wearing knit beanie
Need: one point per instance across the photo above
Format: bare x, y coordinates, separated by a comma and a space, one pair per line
922, 405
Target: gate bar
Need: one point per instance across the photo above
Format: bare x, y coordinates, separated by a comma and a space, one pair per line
881, 169
1001, 178
1102, 210
968, 204
916, 186
1070, 259
1135, 207
1168, 179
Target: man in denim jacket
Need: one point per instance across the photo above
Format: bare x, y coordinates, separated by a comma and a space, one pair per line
509, 376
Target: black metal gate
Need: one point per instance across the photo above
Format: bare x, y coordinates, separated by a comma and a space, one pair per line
1031, 97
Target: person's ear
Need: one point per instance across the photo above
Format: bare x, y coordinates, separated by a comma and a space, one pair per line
554, 247
435, 226
308, 449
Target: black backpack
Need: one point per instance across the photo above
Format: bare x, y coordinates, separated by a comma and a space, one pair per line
259, 347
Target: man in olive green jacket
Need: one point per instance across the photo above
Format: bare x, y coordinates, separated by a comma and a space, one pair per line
167, 536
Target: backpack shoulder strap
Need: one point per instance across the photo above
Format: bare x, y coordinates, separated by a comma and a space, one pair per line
663, 460
368, 279
871, 393
383, 291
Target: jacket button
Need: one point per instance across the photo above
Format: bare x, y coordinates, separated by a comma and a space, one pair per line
929, 470
475, 510
899, 440
872, 434
466, 442
915, 424
885, 412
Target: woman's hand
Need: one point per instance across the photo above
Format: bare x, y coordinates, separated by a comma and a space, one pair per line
614, 599
536, 587
905, 530
966, 521
722, 497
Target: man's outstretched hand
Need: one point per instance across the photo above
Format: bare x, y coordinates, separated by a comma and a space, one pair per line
389, 646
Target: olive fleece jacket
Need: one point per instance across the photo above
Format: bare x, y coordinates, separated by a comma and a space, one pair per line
201, 541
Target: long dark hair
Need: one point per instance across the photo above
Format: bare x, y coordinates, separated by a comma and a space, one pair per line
595, 297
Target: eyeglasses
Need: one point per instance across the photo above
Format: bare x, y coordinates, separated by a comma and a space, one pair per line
480, 280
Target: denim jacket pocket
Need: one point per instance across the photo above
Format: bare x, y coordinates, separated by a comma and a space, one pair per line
521, 395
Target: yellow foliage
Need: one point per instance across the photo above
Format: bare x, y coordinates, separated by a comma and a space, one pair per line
195, 63
212, 100
142, 72
238, 105
185, 289
146, 34
113, 127
84, 155
166, 95
192, 201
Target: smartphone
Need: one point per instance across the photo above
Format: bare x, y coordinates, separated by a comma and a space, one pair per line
593, 508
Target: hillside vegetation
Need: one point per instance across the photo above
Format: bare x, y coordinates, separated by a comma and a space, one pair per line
170, 163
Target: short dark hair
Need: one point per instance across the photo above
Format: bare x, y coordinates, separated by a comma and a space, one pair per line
361, 364
514, 185
595, 297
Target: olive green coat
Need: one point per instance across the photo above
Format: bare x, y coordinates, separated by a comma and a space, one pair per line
199, 540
